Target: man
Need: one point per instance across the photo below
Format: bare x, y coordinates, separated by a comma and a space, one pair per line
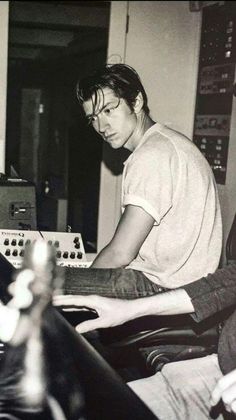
183, 390
170, 230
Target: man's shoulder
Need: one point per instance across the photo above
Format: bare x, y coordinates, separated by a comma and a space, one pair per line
156, 140
182, 144
163, 136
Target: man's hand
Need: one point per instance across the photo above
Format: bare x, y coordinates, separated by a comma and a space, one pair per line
226, 391
111, 312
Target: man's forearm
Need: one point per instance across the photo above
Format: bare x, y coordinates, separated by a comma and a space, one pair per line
175, 302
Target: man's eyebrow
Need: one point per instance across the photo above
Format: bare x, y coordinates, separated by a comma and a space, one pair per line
104, 106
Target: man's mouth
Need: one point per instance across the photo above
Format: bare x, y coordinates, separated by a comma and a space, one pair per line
109, 137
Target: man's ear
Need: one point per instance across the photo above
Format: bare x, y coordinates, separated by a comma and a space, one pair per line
138, 104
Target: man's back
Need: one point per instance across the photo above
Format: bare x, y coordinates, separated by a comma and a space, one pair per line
168, 176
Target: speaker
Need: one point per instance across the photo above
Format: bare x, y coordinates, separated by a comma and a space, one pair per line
17, 204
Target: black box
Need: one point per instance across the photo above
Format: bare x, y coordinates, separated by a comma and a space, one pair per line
17, 204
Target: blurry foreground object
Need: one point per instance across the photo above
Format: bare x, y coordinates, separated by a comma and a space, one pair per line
37, 379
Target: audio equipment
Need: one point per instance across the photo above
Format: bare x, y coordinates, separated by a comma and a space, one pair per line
216, 87
69, 247
17, 204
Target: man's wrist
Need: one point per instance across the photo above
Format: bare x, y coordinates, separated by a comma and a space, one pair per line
173, 302
144, 306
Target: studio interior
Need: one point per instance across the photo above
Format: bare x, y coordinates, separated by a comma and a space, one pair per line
68, 203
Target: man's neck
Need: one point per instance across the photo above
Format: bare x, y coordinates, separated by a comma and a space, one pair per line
144, 122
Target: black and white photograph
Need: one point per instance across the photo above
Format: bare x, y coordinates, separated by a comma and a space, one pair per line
117, 210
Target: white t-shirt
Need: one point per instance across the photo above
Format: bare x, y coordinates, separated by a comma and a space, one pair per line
171, 180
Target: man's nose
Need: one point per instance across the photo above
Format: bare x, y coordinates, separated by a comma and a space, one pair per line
102, 123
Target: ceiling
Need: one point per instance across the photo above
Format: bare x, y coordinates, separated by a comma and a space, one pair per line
42, 29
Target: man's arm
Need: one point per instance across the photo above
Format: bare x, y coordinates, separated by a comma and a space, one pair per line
213, 293
132, 230
113, 312
204, 297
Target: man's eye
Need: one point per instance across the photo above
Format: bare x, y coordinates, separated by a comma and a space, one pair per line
108, 111
92, 119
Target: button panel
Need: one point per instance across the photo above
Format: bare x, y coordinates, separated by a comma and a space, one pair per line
216, 86
69, 246
212, 125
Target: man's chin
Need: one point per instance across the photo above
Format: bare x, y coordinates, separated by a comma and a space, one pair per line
114, 145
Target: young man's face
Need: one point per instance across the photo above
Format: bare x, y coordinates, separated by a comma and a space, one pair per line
112, 119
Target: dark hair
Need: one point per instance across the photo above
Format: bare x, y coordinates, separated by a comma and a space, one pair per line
121, 78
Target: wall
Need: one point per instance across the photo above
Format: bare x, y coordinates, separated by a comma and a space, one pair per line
162, 43
4, 11
166, 57
109, 204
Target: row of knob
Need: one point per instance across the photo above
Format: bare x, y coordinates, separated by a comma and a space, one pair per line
21, 242
59, 254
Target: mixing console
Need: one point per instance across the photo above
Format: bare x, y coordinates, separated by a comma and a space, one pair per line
69, 246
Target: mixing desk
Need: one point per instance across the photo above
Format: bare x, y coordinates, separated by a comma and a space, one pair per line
69, 246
